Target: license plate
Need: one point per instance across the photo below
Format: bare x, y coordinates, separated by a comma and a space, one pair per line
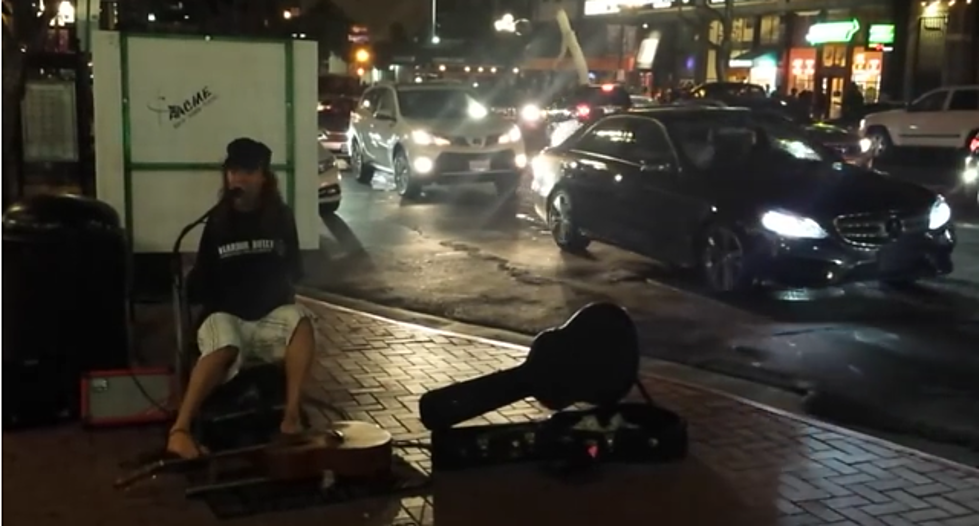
896, 257
482, 165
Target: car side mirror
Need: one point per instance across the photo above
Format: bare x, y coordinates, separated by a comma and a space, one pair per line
383, 115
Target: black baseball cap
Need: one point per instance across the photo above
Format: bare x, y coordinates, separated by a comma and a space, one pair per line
247, 154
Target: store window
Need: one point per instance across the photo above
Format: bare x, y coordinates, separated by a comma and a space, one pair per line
770, 30
802, 69
834, 55
867, 73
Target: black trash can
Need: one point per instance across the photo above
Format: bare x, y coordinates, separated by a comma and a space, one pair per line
65, 304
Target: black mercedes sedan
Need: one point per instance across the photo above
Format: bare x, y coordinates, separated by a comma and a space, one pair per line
746, 201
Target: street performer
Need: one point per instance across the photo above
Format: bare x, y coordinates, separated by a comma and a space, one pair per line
244, 276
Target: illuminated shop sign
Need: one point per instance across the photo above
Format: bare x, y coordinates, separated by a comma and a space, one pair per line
608, 7
832, 32
882, 34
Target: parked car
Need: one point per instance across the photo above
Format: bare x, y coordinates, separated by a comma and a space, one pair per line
329, 192
582, 104
943, 118
333, 117
434, 133
850, 145
745, 201
970, 173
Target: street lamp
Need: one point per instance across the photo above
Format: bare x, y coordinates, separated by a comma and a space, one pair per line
362, 55
508, 24
435, 10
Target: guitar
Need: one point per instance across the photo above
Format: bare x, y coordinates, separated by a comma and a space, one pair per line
592, 358
349, 449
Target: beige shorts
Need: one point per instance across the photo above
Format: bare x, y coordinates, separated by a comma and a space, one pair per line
260, 341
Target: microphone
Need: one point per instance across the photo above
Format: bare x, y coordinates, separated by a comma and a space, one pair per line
230, 194
181, 313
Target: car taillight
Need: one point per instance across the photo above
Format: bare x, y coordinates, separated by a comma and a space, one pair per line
608, 87
583, 111
974, 145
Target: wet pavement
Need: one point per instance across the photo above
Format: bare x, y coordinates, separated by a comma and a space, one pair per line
902, 361
747, 465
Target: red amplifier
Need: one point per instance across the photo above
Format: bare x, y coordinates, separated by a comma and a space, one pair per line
127, 396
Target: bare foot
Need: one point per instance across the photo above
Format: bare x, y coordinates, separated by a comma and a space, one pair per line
181, 443
291, 426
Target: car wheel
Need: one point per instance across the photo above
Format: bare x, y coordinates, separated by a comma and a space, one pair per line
361, 169
880, 141
328, 209
723, 261
561, 223
404, 183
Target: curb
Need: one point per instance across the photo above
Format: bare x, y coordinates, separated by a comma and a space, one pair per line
682, 375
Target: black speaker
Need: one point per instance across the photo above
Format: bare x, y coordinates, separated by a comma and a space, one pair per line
36, 392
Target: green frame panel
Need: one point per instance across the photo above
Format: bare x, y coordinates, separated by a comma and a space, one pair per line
287, 170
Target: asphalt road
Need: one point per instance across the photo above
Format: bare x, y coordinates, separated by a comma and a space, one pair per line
903, 361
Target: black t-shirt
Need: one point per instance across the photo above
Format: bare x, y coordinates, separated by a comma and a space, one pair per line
247, 264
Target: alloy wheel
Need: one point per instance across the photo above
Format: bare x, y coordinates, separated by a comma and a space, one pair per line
723, 260
560, 219
401, 175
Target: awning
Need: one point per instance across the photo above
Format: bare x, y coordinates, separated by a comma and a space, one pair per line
759, 53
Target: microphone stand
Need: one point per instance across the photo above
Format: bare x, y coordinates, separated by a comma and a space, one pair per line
181, 308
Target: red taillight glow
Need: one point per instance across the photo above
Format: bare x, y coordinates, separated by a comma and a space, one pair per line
583, 110
608, 87
974, 145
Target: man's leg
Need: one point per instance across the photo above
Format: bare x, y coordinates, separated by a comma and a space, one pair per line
298, 363
219, 344
286, 335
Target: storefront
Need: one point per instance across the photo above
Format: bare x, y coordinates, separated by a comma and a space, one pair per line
759, 66
839, 52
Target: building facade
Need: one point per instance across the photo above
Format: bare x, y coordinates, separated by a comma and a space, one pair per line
891, 49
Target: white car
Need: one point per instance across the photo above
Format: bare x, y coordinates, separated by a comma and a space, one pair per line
942, 118
329, 187
433, 133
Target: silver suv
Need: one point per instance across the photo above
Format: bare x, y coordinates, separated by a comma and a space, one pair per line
433, 133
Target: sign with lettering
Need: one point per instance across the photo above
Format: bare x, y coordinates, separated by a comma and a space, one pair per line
881, 34
177, 112
832, 32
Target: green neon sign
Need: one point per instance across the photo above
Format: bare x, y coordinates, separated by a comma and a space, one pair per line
832, 32
881, 34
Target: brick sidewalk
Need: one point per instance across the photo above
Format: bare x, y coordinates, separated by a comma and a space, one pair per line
747, 465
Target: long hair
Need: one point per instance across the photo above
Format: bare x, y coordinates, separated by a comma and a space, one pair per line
271, 205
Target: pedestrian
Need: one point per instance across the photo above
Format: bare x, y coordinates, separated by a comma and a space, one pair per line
244, 276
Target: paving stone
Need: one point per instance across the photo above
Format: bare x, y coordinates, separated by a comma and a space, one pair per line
747, 465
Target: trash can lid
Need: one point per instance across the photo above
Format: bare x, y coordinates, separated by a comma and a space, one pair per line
60, 212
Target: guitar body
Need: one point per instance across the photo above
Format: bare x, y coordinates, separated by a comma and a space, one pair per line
349, 449
355, 450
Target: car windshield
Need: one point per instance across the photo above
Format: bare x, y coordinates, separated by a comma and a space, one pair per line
725, 138
438, 104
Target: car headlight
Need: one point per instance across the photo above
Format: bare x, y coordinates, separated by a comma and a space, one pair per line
940, 214
424, 138
530, 113
513, 135
863, 124
792, 226
865, 145
477, 111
